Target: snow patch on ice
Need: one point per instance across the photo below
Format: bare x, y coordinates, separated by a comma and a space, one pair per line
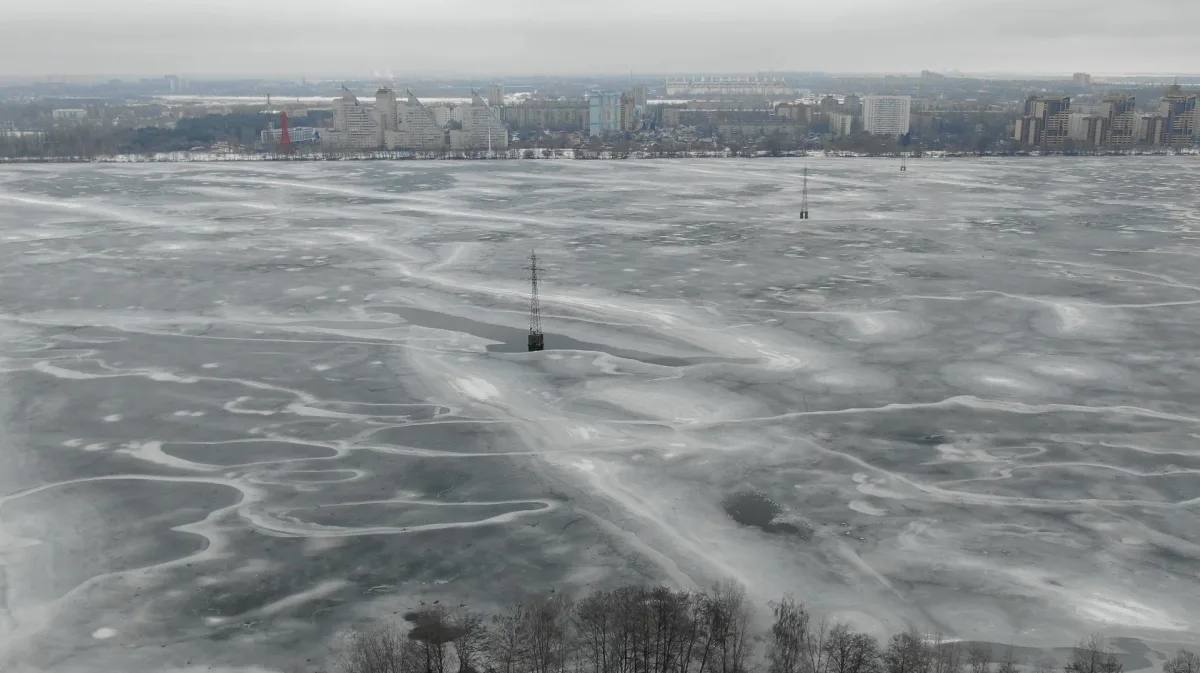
477, 388
864, 507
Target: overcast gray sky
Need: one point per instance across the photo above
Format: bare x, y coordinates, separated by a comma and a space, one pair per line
485, 37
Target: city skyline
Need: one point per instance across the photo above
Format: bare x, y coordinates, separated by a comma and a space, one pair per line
540, 37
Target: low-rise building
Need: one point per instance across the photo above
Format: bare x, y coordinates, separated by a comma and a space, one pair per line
728, 85
296, 134
71, 114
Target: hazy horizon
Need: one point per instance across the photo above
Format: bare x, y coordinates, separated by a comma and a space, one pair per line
539, 37
514, 76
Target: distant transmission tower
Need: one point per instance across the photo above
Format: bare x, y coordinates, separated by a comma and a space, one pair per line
804, 197
536, 338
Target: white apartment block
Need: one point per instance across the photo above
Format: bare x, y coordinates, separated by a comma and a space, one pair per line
355, 124
297, 134
481, 127
408, 124
417, 128
69, 114
886, 115
729, 85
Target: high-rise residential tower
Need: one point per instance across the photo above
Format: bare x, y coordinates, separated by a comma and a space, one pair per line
886, 115
385, 112
494, 95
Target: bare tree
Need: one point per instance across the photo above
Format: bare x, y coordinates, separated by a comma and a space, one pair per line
850, 652
636, 630
815, 656
470, 635
670, 615
979, 657
596, 624
906, 653
547, 629
1092, 655
505, 645
1009, 665
632, 639
658, 630
696, 645
378, 650
1183, 662
1046, 664
947, 656
789, 636
433, 631
728, 628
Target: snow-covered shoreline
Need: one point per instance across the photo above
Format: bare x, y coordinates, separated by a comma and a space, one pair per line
528, 154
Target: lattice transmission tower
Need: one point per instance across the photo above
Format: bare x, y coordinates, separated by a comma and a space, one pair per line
804, 197
536, 338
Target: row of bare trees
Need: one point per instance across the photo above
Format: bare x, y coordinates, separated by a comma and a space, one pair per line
636, 629
800, 643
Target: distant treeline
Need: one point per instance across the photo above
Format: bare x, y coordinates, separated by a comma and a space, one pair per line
241, 128
638, 629
96, 140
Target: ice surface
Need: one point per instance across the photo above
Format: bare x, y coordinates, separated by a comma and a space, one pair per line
248, 405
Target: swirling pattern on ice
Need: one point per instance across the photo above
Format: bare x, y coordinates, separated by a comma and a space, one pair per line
317, 374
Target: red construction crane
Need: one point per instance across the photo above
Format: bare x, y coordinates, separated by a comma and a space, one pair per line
285, 140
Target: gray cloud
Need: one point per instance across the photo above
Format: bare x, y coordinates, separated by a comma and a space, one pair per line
562, 36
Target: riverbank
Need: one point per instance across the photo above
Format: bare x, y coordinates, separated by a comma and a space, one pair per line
544, 154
